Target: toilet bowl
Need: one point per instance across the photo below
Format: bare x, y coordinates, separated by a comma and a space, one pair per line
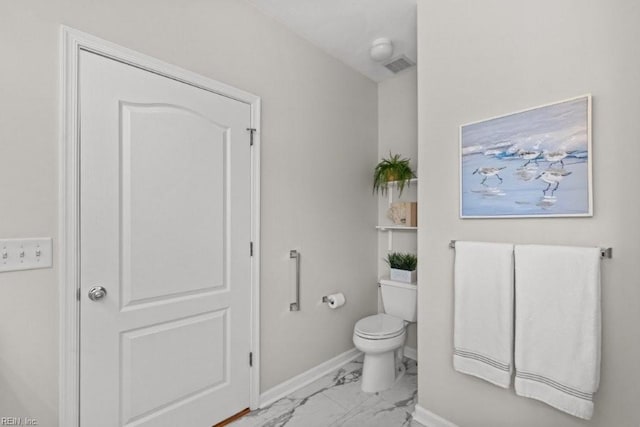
381, 337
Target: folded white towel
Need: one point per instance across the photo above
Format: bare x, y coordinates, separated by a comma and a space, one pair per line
557, 340
483, 330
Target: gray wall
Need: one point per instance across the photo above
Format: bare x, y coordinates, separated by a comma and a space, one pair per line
398, 133
482, 59
319, 146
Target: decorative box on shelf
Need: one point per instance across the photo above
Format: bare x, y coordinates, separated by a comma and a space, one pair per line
404, 213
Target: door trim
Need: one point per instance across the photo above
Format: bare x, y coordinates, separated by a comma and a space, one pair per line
71, 43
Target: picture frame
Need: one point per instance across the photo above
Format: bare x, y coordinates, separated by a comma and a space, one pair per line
535, 162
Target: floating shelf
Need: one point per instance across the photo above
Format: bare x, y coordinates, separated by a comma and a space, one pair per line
386, 281
395, 228
411, 181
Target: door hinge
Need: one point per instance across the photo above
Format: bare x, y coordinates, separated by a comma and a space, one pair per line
78, 294
252, 130
250, 358
250, 248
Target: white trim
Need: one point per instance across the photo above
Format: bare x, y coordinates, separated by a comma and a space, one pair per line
72, 41
429, 419
306, 378
255, 262
411, 353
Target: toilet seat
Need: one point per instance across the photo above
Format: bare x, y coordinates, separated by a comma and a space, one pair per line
379, 327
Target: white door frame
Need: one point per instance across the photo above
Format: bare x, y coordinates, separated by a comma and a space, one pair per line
72, 42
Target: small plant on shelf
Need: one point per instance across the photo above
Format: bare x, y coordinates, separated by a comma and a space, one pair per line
393, 169
402, 266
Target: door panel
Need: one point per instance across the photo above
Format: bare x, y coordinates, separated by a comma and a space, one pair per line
165, 229
171, 156
146, 353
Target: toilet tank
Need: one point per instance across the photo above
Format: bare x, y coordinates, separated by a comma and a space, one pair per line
399, 299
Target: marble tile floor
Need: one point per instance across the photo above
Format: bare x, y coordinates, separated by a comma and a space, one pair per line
336, 400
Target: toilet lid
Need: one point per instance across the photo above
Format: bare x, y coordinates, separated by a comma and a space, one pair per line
379, 326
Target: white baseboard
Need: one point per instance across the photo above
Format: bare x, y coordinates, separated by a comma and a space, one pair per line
306, 378
429, 419
411, 353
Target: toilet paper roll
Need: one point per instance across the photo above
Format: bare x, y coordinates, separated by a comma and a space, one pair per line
336, 300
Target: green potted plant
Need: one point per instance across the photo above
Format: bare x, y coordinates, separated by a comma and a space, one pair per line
392, 169
402, 266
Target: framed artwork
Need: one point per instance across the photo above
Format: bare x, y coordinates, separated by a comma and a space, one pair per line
532, 163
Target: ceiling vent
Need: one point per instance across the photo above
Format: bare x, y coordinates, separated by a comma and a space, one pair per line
398, 64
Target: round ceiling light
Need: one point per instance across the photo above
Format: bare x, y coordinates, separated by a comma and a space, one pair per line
381, 49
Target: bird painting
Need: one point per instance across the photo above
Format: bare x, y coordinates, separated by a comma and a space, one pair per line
530, 163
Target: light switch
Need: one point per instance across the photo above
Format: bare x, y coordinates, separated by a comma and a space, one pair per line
25, 254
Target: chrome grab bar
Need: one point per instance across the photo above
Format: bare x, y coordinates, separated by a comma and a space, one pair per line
295, 306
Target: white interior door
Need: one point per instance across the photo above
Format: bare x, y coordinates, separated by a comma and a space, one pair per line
165, 228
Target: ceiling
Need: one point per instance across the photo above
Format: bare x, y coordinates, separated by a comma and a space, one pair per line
346, 28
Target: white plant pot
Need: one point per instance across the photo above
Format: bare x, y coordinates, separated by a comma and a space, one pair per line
404, 276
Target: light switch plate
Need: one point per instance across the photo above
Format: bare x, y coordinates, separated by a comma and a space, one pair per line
25, 254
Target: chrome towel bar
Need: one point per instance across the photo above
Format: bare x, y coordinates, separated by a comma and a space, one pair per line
604, 252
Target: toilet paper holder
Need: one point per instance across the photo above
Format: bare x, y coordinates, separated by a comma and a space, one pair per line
338, 299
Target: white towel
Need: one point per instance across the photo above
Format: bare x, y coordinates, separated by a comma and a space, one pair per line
557, 340
483, 330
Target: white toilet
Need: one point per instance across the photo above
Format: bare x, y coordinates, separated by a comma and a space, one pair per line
381, 337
